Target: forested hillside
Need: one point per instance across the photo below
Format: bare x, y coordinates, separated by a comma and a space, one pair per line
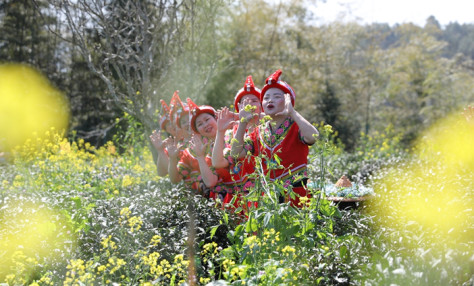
358, 78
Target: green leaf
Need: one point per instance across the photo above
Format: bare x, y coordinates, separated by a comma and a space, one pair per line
251, 225
226, 218
292, 194
77, 201
326, 210
213, 230
266, 219
309, 226
239, 230
343, 252
277, 159
248, 227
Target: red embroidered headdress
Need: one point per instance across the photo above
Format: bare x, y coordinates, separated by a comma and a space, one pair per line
249, 88
274, 81
198, 110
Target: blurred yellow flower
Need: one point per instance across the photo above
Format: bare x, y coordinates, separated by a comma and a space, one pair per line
430, 193
127, 181
28, 108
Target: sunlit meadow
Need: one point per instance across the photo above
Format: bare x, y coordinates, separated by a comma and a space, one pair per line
73, 214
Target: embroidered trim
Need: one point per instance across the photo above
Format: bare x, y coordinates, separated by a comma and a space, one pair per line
273, 139
234, 187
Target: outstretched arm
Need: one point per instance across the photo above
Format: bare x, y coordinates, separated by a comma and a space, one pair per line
237, 145
173, 153
307, 130
208, 177
225, 119
162, 161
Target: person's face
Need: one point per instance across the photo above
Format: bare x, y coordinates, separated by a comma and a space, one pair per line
273, 101
206, 125
252, 100
183, 132
168, 129
184, 121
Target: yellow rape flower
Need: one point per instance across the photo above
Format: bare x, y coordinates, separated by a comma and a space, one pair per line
108, 243
135, 223
250, 108
178, 258
288, 249
127, 181
137, 168
101, 268
227, 264
155, 240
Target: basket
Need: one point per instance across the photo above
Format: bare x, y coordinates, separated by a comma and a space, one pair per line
348, 203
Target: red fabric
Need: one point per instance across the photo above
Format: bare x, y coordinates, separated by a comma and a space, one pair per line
165, 117
177, 108
274, 81
241, 168
237, 183
249, 88
291, 150
188, 167
285, 142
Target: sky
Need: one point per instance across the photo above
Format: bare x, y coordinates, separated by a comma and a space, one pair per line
394, 11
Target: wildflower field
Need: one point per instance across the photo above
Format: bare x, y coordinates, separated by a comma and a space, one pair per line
72, 214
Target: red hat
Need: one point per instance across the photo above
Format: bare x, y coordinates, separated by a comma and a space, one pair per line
274, 81
198, 110
249, 88
177, 108
165, 117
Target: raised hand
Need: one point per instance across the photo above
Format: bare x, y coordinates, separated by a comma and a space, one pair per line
288, 110
173, 147
246, 114
180, 133
198, 146
225, 119
156, 140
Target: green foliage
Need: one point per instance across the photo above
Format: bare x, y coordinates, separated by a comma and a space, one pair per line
128, 134
27, 38
106, 206
114, 221
459, 38
279, 244
354, 77
374, 152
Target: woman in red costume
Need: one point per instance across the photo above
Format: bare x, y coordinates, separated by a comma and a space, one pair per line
239, 180
195, 163
175, 121
284, 138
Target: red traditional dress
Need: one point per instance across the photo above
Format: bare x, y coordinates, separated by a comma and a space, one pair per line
238, 182
188, 168
286, 143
